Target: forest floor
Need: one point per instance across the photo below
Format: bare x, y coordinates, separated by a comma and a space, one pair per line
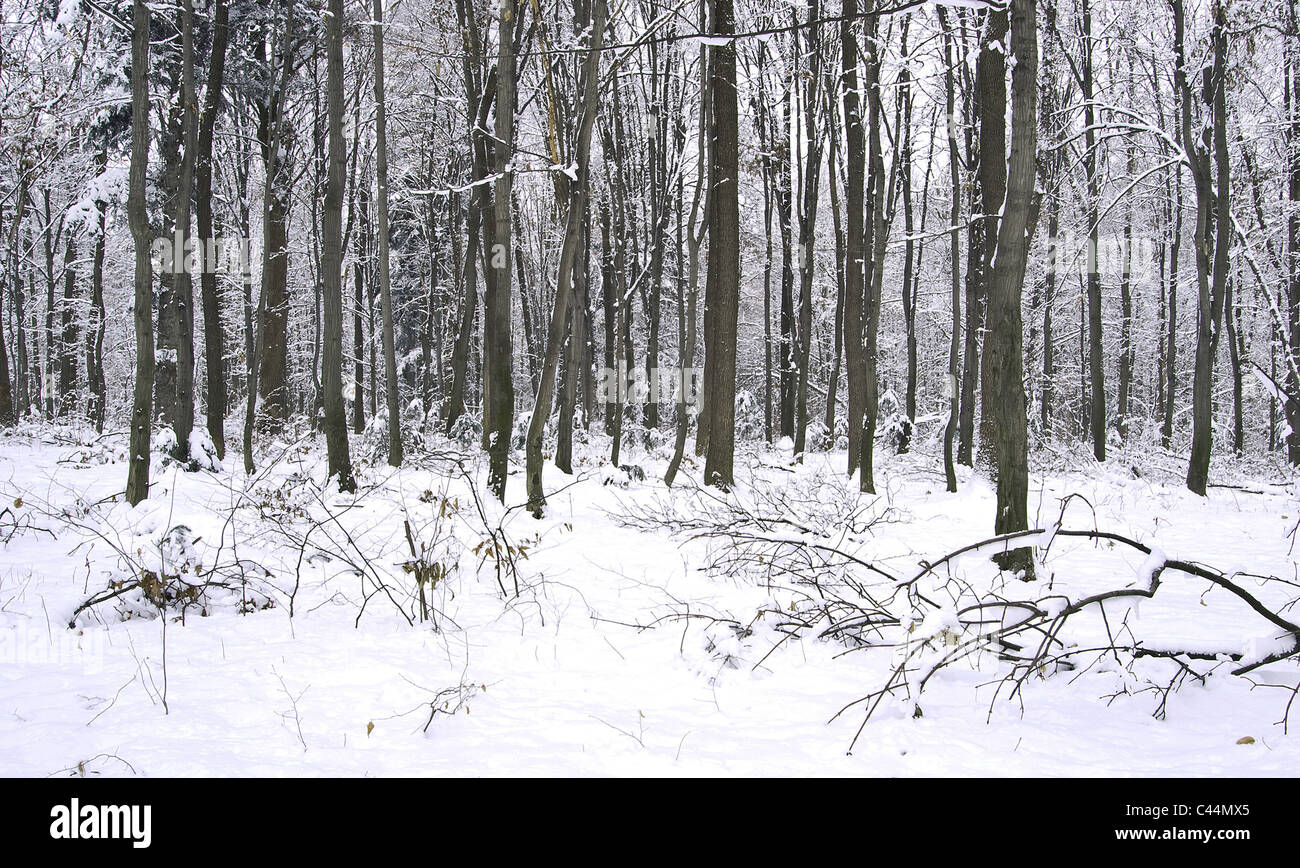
626, 633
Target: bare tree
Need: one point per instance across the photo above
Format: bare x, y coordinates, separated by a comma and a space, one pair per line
1213, 217
385, 280
335, 422
1002, 383
724, 250
214, 332
137, 479
498, 383
954, 215
855, 184
575, 217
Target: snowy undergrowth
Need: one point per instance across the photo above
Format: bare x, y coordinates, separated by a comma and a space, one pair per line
269, 625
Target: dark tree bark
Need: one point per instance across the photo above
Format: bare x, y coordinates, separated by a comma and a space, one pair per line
6, 388
837, 223
1096, 362
974, 281
1171, 313
909, 245
1123, 397
990, 81
879, 199
277, 144
480, 93
768, 174
385, 280
724, 250
1236, 352
609, 307
96, 405
954, 215
787, 363
1293, 234
359, 266
855, 185
65, 400
137, 479
575, 218
183, 284
214, 332
23, 372
1213, 215
1002, 383
271, 302
498, 383
1054, 167
335, 422
660, 190
810, 186
694, 238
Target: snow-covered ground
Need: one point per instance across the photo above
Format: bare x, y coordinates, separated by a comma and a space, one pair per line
613, 647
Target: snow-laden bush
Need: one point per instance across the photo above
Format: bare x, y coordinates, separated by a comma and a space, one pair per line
467, 430
519, 430
374, 440
749, 416
816, 437
652, 441
169, 577
163, 440
202, 451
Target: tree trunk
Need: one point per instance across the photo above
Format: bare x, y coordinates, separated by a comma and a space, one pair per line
837, 220
65, 402
1293, 237
359, 304
990, 78
1002, 384
1171, 342
214, 332
1096, 362
879, 199
686, 320
385, 280
909, 246
1213, 214
96, 321
6, 388
137, 480
1124, 396
498, 384
954, 174
273, 306
810, 186
183, 284
335, 423
855, 184
724, 250
576, 215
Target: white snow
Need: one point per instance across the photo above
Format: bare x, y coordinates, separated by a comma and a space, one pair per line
621, 653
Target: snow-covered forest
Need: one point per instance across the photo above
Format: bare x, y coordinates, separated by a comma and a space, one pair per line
850, 387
